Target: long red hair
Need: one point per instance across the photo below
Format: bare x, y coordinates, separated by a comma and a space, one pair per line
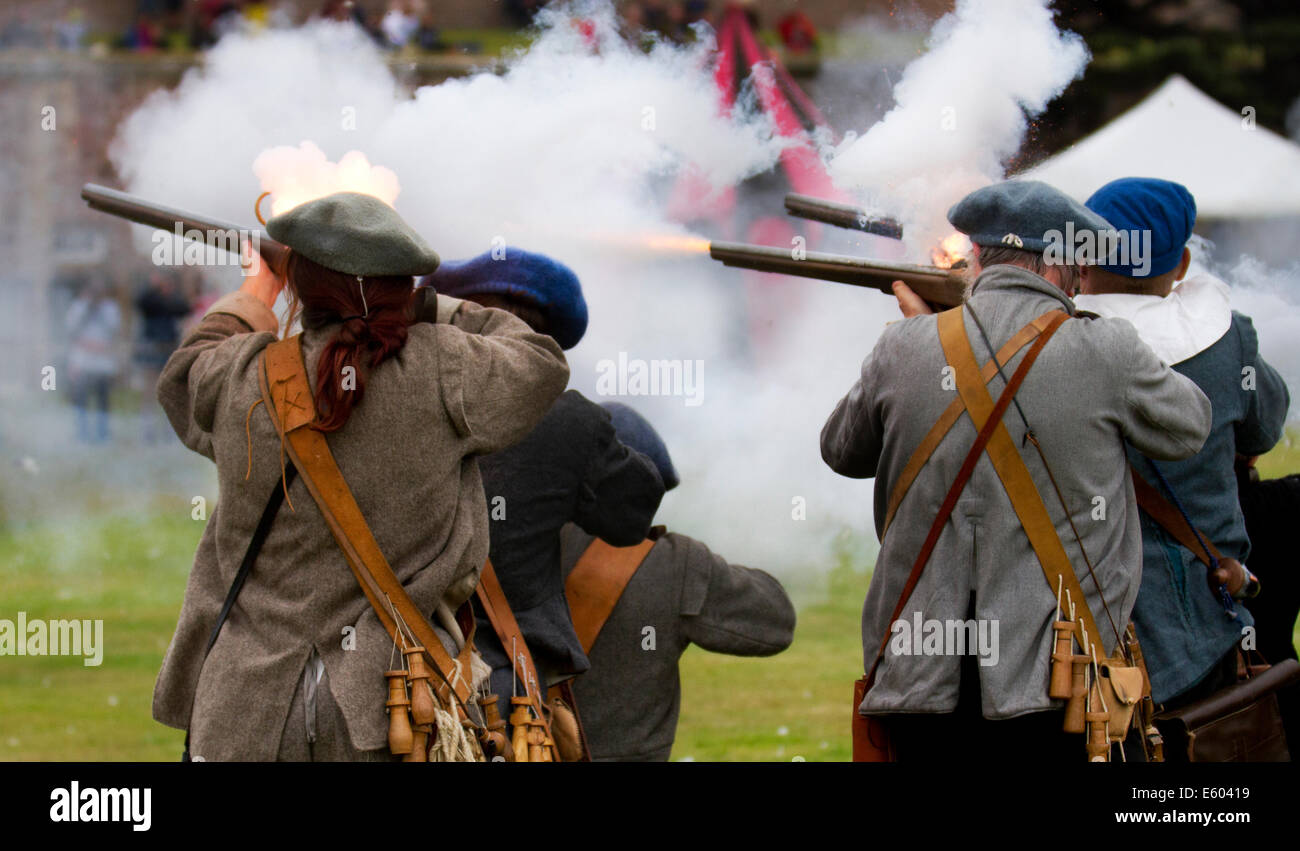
372, 329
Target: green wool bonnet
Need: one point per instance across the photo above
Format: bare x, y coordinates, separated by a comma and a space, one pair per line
355, 234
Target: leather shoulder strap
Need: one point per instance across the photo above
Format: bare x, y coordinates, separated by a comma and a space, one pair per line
597, 582
949, 417
1172, 521
1014, 475
502, 617
987, 427
288, 396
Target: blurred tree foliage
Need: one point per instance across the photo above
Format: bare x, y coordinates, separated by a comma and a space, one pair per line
1240, 52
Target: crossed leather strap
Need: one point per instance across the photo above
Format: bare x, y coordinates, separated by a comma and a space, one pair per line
1148, 498
288, 397
992, 434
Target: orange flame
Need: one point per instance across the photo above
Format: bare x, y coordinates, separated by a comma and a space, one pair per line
952, 249
650, 242
680, 244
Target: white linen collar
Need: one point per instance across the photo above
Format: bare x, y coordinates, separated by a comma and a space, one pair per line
1193, 317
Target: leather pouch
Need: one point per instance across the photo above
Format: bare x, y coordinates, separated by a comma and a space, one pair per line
1241, 723
871, 741
1122, 689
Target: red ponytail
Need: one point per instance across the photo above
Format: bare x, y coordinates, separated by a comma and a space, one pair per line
372, 330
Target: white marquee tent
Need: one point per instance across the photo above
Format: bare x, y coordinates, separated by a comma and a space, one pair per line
1236, 169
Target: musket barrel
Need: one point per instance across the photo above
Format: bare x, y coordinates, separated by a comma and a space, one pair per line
939, 287
841, 215
215, 232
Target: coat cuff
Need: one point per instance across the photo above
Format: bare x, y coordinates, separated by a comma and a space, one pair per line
247, 308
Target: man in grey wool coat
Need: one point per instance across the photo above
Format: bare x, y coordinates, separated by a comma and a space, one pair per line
1095, 386
681, 594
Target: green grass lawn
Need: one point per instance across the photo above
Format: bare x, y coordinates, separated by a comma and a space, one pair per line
131, 571
791, 706
131, 574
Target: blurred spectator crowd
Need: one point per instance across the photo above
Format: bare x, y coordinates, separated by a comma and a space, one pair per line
180, 25
117, 338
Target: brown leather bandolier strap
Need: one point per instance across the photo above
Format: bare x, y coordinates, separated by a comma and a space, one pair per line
988, 425
949, 417
1011, 468
498, 611
597, 582
288, 397
1172, 521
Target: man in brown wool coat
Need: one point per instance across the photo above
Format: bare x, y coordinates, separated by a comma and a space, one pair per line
297, 670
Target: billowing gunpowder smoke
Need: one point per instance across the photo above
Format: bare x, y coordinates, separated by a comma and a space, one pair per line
960, 112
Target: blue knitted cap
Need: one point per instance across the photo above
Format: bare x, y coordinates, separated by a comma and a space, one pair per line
534, 278
1164, 208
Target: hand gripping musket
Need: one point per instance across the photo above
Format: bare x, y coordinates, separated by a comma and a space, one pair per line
213, 232
942, 288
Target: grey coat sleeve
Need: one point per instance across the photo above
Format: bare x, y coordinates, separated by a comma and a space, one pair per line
1164, 415
621, 489
731, 609
1267, 405
498, 376
853, 436
222, 347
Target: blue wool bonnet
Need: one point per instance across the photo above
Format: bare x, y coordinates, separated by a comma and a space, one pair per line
534, 278
1163, 207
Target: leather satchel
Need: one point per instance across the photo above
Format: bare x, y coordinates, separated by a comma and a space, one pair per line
1241, 723
871, 741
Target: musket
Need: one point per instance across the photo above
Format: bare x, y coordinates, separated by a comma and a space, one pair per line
940, 287
841, 215
214, 232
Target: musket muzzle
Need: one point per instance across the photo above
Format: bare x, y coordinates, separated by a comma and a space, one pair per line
215, 232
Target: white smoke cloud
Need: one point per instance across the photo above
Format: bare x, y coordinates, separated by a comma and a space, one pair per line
575, 133
960, 112
571, 151
1266, 294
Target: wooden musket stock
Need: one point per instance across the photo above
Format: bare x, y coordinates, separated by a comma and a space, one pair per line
942, 288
